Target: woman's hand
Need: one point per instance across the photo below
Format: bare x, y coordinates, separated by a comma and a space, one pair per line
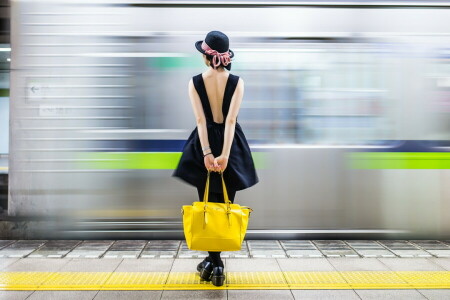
209, 162
221, 163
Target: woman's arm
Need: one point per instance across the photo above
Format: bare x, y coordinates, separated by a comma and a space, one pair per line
199, 116
230, 122
200, 119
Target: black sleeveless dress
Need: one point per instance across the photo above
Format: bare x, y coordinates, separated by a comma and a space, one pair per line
240, 172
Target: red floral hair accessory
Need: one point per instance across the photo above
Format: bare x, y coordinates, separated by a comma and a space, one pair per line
218, 58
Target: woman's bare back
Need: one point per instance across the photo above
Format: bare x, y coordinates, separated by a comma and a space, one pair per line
215, 89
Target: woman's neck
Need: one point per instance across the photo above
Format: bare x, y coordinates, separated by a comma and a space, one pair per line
215, 71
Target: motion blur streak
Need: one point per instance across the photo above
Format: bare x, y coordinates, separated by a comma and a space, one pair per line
334, 91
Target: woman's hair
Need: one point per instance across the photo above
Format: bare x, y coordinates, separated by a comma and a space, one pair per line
210, 57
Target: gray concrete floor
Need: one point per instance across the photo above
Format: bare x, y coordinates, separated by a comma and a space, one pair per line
229, 294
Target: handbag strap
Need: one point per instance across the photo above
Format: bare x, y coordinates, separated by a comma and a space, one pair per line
225, 193
206, 193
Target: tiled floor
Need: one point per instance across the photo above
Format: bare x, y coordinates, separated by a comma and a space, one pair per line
93, 257
231, 265
250, 249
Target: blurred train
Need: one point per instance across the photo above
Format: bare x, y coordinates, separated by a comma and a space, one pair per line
346, 109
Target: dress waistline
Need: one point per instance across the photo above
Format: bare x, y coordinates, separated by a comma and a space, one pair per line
212, 123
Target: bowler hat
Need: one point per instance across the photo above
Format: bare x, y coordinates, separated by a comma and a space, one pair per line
216, 43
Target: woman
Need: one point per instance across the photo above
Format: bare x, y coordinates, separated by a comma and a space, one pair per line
218, 143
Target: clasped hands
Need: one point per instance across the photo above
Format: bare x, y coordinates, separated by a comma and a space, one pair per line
216, 164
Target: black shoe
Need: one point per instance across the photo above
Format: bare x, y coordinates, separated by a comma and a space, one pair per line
205, 268
201, 265
218, 276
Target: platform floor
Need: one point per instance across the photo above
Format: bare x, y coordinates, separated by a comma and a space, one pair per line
261, 270
250, 249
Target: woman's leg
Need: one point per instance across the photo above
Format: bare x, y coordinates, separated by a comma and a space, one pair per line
215, 255
200, 192
231, 195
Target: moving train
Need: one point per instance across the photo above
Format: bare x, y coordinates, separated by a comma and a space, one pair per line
346, 110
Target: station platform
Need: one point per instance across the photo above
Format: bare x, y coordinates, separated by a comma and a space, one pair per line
263, 269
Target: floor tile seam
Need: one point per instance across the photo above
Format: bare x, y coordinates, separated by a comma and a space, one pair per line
20, 259
104, 252
106, 280
10, 244
10, 264
170, 270
180, 246
419, 247
351, 247
428, 259
357, 295
101, 285
285, 279
62, 266
437, 258
36, 249
317, 248
385, 247
27, 297
422, 294
284, 249
95, 295
356, 291
403, 276
349, 284
70, 250
329, 262
435, 263
142, 250
381, 262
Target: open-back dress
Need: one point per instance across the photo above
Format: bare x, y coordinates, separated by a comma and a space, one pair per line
240, 172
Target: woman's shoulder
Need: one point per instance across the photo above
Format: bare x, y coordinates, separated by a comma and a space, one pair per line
195, 77
238, 81
236, 78
194, 80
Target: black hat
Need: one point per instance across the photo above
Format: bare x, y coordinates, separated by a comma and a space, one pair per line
216, 40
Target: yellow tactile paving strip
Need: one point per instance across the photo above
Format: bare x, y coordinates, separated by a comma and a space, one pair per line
235, 280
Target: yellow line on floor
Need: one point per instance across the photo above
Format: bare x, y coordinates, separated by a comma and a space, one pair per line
235, 280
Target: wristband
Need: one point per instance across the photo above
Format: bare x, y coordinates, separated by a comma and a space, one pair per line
206, 148
207, 154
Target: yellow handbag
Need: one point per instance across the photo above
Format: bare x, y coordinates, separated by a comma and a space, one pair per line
210, 226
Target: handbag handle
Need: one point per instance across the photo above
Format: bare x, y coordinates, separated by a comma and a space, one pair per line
225, 193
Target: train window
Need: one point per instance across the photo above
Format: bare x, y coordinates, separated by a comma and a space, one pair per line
325, 94
437, 119
365, 92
